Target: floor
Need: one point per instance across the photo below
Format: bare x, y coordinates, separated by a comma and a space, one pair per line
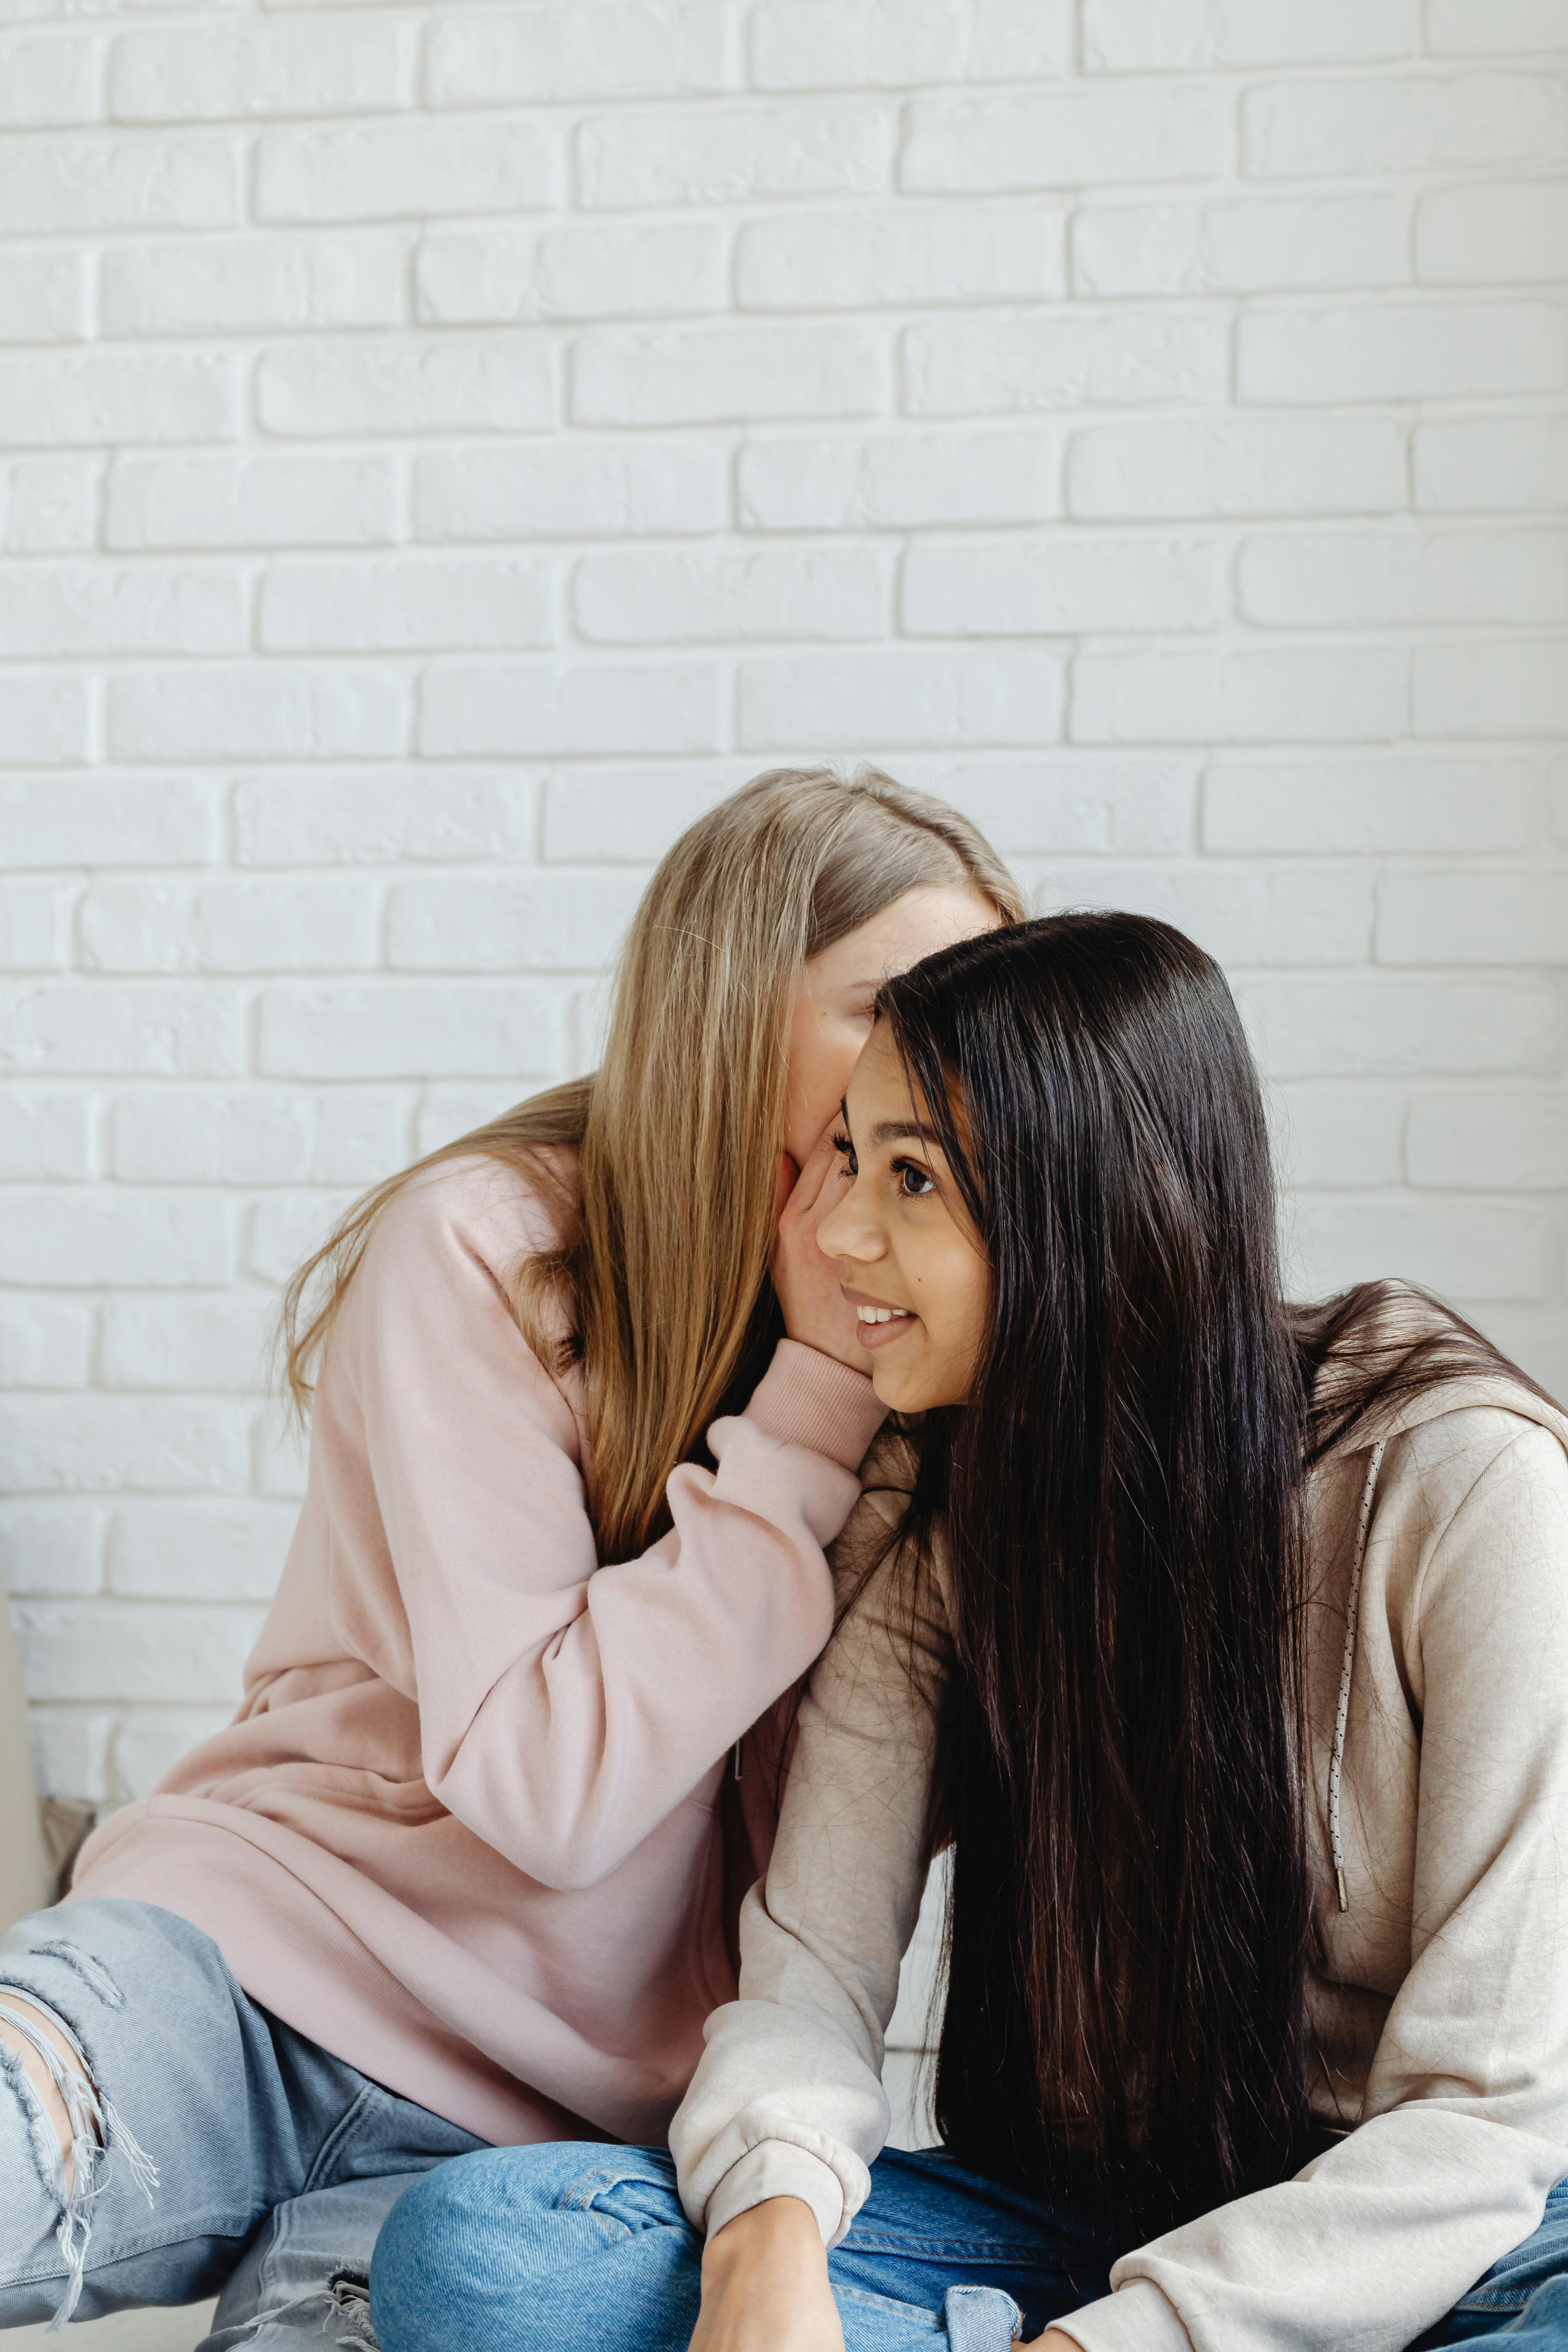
127, 2331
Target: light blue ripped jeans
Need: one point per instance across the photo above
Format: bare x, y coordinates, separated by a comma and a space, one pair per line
586, 2249
215, 2147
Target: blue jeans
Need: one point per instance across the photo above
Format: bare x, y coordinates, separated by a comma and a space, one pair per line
217, 2148
575, 2248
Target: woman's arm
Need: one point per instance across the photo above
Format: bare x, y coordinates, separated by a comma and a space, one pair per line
787, 2101
1465, 2109
565, 1709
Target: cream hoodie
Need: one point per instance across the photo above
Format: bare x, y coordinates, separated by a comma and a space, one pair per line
1438, 2001
475, 1828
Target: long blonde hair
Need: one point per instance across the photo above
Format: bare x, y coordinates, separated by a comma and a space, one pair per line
663, 1264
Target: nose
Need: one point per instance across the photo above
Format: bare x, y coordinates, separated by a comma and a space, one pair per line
848, 1233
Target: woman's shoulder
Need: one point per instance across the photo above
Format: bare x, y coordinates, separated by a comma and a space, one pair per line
502, 1212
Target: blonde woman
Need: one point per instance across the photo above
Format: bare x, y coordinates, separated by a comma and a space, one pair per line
467, 1865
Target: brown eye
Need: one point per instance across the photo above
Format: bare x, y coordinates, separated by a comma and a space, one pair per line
914, 1182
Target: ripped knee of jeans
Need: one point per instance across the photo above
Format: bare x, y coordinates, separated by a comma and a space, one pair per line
99, 2137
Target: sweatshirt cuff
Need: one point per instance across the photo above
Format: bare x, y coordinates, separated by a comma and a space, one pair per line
776, 2167
1137, 2318
807, 1398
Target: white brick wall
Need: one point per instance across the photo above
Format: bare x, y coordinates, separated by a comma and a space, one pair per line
444, 447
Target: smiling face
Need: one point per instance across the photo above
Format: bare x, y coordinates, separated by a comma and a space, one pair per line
832, 1016
909, 1259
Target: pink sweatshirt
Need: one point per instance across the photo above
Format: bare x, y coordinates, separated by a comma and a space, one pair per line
476, 1827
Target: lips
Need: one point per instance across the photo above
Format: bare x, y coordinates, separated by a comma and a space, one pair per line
867, 1313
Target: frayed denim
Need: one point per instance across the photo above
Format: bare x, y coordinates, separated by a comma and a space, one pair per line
215, 2148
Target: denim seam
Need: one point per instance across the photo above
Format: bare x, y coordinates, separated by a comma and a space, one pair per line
913, 2311
219, 2225
1001, 2250
370, 2095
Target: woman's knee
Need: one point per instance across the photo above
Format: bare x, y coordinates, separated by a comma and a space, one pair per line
508, 2248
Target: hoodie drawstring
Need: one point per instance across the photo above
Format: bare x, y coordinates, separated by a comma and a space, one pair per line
1353, 1616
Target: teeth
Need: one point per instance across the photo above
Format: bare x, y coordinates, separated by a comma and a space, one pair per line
882, 1313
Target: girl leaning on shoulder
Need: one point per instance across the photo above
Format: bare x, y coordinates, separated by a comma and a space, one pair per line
1225, 1642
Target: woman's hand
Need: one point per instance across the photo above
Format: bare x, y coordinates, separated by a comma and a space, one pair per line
816, 1311
764, 2284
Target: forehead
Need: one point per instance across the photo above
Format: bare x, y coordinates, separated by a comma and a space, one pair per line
879, 1079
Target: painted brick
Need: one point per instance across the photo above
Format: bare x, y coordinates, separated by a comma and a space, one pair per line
35, 926
95, 608
329, 65
130, 821
51, 399
113, 1238
407, 384
1507, 687
399, 604
1316, 697
1479, 1140
1313, 914
1471, 27
1380, 352
626, 816
823, 260
287, 1135
44, 1136
44, 1343
1516, 235
71, 1753
1182, 35
1335, 1136
250, 925
561, 921
1013, 365
405, 170
708, 374
257, 711
44, 721
472, 275
1469, 918
897, 44
1054, 585
251, 501
77, 183
1462, 1253
872, 482
181, 1344
542, 708
1311, 129
198, 1550
286, 1229
49, 80
1507, 463
1557, 795
868, 700
410, 1029
1235, 466
1335, 1027
1367, 809
251, 285
732, 155
534, 55
1058, 139
566, 489
1250, 245
1402, 578
49, 1547
43, 296
48, 505
447, 1113
382, 820
725, 595
1063, 803
109, 1650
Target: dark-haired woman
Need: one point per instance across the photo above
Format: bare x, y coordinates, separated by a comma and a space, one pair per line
1229, 1646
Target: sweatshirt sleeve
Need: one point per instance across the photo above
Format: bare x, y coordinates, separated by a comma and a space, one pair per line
1465, 2121
565, 1709
787, 2100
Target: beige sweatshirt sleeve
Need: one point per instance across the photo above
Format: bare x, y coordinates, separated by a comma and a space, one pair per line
1465, 2122
787, 2100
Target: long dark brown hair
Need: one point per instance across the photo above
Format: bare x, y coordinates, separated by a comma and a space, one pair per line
1119, 1504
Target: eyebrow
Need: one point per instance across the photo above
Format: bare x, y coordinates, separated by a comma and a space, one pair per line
903, 1131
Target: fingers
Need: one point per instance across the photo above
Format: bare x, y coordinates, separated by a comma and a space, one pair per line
786, 1176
